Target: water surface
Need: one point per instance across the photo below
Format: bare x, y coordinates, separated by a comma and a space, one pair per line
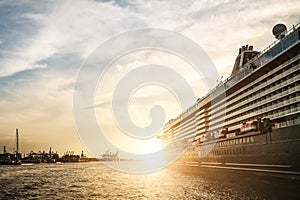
96, 181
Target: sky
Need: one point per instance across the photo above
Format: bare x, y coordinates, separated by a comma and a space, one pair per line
44, 44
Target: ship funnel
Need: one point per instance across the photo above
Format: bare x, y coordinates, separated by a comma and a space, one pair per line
279, 31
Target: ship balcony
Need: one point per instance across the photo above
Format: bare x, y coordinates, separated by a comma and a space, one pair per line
282, 113
183, 130
260, 79
264, 83
272, 108
271, 98
267, 91
265, 101
204, 125
277, 86
200, 132
201, 121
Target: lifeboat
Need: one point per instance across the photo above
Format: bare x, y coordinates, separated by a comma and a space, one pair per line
249, 126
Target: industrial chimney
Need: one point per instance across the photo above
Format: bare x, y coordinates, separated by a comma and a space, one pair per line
17, 141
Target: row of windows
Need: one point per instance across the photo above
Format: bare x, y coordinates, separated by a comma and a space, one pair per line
231, 151
287, 123
235, 141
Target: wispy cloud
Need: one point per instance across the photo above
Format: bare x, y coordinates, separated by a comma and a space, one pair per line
43, 30
44, 43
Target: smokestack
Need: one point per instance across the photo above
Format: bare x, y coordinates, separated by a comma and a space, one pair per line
17, 141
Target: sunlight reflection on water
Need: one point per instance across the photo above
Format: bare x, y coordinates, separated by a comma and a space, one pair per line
96, 181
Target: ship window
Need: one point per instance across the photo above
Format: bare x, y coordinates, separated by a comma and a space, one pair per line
252, 139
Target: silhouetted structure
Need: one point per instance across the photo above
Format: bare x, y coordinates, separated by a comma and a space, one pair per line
109, 156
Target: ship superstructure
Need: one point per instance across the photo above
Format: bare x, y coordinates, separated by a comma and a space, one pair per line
253, 112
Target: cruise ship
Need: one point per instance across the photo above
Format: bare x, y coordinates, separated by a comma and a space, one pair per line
251, 120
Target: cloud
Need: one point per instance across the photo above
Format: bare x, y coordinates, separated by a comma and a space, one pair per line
62, 28
44, 43
221, 27
78, 27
